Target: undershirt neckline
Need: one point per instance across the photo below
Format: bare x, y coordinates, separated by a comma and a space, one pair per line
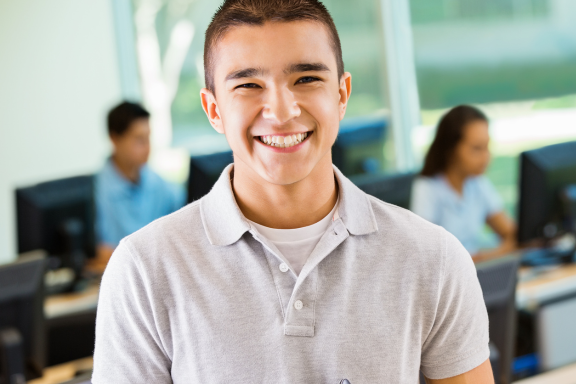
315, 230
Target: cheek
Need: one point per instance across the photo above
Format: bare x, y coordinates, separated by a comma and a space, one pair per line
323, 109
237, 119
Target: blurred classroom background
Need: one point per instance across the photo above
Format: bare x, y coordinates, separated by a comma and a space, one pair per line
64, 64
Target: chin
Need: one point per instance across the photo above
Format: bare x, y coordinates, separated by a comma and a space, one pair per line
285, 175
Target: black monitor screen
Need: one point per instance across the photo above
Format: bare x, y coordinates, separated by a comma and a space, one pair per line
359, 148
544, 173
22, 315
57, 216
204, 171
392, 188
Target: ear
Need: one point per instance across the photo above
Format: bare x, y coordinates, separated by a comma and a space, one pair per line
114, 138
344, 92
211, 108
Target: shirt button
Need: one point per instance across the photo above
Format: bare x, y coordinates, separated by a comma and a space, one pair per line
284, 267
298, 304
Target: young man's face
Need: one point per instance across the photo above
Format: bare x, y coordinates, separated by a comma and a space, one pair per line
133, 146
278, 82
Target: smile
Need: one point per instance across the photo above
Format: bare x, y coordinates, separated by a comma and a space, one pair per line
284, 141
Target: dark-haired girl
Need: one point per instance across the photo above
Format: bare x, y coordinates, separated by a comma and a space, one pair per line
452, 190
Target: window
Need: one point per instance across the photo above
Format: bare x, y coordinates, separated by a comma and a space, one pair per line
515, 59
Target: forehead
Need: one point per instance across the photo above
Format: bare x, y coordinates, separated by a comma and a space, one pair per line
139, 126
476, 130
272, 47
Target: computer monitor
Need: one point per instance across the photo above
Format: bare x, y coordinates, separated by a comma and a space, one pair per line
58, 217
359, 147
204, 171
391, 188
498, 280
544, 174
22, 343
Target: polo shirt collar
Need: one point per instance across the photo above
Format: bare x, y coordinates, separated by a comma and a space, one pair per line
354, 208
225, 224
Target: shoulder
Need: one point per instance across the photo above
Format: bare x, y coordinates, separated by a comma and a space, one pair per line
425, 190
413, 249
426, 183
480, 182
159, 184
407, 229
153, 178
176, 226
169, 240
106, 181
103, 173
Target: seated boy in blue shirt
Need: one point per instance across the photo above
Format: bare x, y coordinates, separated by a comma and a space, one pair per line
129, 195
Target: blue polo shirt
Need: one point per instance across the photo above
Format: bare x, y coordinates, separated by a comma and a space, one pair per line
123, 207
462, 215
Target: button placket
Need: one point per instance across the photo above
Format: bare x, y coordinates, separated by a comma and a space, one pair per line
283, 281
300, 314
301, 322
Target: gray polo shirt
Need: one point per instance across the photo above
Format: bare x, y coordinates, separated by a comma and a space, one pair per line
199, 297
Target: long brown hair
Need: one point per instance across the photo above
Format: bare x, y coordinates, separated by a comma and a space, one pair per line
448, 135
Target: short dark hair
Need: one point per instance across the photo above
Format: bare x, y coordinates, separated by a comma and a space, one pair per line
124, 114
257, 12
448, 135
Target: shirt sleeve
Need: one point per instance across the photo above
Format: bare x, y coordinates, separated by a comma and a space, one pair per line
492, 199
458, 339
128, 347
422, 200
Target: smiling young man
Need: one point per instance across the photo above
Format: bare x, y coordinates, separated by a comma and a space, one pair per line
286, 272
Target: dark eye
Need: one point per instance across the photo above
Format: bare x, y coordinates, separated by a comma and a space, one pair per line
307, 79
247, 85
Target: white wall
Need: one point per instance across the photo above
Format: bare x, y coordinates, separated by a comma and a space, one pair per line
58, 78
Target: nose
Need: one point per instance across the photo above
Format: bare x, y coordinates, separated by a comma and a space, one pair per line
280, 106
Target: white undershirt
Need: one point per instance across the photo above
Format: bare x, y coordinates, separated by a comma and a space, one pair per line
297, 244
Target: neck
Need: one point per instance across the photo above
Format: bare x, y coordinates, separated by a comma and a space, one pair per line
286, 206
129, 171
456, 179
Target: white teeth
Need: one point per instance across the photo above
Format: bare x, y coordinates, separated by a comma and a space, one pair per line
284, 141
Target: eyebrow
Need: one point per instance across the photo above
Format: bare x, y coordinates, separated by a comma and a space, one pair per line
307, 67
247, 72
294, 68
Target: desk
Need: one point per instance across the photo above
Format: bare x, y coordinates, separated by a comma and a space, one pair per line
550, 295
71, 303
70, 325
564, 375
63, 372
535, 287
